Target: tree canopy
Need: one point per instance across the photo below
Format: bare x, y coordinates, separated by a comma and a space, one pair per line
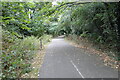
97, 21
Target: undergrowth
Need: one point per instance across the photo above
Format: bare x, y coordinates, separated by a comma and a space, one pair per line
106, 53
17, 54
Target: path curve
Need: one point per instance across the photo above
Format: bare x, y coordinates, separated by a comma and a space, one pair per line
63, 60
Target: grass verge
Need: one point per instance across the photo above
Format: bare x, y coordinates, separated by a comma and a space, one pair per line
38, 59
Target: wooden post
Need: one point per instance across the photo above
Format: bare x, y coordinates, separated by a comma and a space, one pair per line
40, 43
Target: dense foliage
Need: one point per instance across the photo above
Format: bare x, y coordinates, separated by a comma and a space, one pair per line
96, 21
17, 55
23, 18
22, 26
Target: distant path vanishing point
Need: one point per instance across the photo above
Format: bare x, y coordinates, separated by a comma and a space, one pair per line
63, 60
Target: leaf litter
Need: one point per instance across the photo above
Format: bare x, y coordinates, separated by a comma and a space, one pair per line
89, 48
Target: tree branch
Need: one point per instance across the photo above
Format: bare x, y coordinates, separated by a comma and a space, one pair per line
68, 4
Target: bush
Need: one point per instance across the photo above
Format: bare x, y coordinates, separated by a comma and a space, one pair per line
17, 55
46, 38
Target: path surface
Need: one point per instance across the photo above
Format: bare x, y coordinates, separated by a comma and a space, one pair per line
63, 60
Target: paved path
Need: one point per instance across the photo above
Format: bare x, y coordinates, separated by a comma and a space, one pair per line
63, 60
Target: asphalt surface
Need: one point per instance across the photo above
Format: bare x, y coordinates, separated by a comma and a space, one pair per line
63, 60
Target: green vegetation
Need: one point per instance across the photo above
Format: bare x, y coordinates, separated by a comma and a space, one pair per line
95, 21
22, 28
24, 23
17, 56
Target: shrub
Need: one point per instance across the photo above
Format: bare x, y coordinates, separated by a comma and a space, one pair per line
46, 38
16, 57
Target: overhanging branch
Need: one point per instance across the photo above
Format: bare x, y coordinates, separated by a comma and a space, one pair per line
67, 4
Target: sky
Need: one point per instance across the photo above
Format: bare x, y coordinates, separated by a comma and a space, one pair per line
60, 0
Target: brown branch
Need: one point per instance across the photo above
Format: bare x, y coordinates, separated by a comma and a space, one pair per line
67, 4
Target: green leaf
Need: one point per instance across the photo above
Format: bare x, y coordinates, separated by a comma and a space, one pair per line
25, 27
